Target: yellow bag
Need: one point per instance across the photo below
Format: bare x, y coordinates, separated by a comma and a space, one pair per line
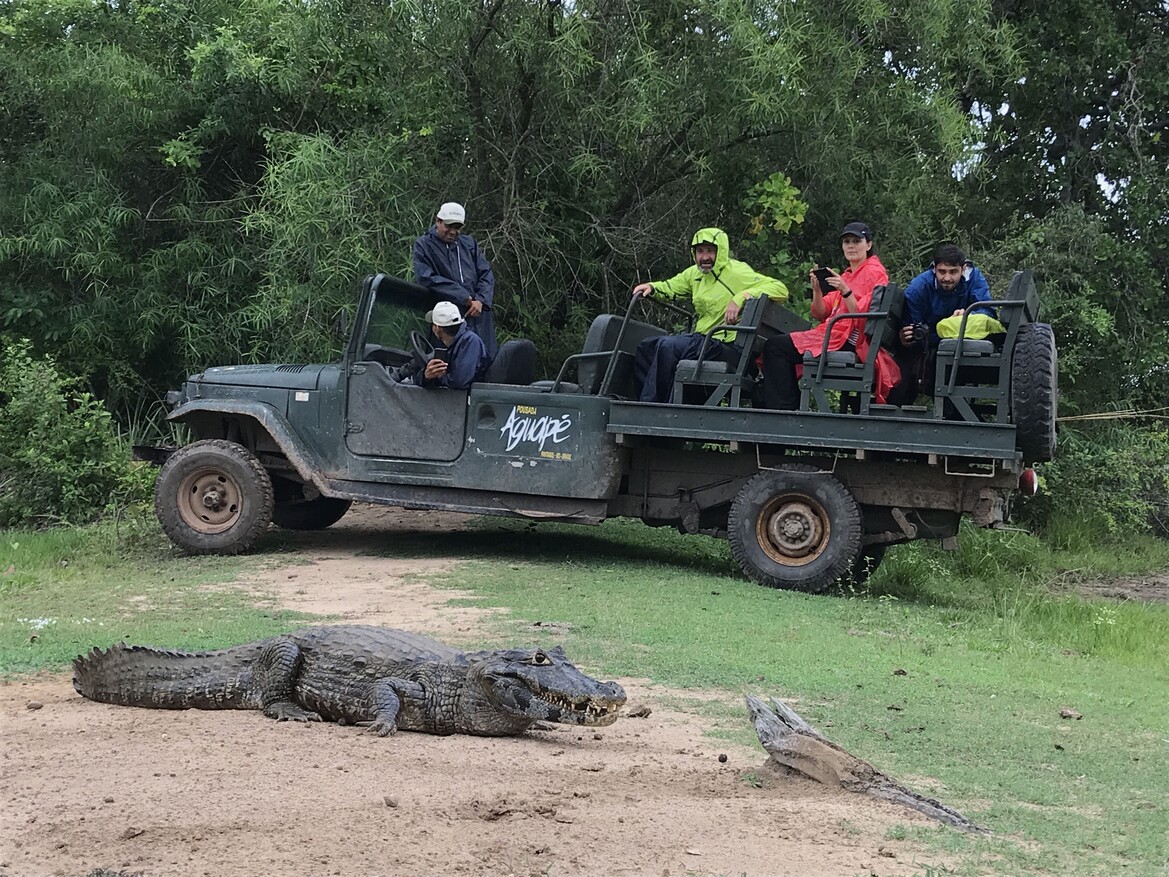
977, 326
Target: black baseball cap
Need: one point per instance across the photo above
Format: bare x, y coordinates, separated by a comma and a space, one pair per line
860, 229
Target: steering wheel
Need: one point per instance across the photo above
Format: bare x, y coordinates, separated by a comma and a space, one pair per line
390, 357
420, 349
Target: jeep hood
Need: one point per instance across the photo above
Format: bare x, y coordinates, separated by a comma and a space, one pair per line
288, 377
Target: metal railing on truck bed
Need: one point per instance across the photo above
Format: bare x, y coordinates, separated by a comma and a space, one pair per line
715, 407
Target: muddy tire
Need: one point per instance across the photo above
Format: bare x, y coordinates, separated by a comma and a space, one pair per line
795, 528
309, 514
213, 497
1034, 392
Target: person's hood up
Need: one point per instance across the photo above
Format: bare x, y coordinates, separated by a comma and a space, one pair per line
718, 237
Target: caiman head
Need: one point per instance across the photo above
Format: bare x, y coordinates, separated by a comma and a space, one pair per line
543, 685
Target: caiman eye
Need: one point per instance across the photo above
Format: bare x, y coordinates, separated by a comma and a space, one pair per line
541, 660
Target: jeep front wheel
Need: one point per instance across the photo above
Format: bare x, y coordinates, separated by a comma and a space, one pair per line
213, 497
795, 528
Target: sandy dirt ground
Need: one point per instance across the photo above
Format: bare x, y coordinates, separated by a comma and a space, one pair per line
87, 786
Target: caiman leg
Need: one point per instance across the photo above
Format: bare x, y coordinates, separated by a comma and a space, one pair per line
275, 678
386, 703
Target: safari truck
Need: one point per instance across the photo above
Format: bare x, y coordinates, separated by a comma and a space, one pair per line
806, 498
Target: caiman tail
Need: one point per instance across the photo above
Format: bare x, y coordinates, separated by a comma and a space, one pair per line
147, 677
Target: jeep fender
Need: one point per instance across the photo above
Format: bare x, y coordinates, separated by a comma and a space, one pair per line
307, 464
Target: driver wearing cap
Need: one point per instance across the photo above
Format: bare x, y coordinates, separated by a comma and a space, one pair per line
462, 359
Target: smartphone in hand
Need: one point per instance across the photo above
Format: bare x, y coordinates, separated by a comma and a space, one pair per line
822, 275
442, 354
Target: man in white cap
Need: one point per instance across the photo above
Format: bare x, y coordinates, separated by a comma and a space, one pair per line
461, 359
451, 264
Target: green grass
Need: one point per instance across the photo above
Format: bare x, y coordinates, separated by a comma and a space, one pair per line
991, 639
63, 591
990, 656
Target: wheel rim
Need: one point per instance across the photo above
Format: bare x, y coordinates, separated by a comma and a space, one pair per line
210, 501
792, 529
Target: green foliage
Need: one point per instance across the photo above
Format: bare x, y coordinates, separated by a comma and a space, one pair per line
1110, 336
1071, 173
778, 204
1108, 482
210, 185
775, 209
60, 458
65, 590
1083, 124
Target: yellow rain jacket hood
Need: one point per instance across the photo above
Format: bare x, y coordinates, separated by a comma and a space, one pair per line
729, 279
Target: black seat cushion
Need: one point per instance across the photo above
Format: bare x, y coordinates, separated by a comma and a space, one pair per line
835, 357
515, 363
970, 346
688, 368
546, 386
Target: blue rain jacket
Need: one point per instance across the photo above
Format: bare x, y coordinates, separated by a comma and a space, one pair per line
459, 273
467, 360
926, 302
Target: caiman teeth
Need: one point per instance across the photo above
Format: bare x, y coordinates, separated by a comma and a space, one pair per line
585, 705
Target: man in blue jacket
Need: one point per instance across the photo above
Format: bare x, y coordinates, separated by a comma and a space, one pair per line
450, 263
950, 286
464, 360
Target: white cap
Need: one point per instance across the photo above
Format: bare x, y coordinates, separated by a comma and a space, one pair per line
452, 212
445, 314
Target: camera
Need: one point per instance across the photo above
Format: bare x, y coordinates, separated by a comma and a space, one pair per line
920, 331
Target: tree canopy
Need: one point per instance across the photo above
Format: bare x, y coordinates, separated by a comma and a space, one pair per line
187, 183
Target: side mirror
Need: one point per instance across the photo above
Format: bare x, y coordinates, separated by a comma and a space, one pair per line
341, 324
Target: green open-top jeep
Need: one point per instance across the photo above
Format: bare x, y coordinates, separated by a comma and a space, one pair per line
805, 497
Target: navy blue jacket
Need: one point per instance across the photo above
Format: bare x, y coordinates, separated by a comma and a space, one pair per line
458, 272
467, 360
926, 302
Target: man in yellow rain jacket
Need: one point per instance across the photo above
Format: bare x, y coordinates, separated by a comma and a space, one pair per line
718, 286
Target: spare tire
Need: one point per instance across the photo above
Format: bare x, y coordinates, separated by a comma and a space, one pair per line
1034, 392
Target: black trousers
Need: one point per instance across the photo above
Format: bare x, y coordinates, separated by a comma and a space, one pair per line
656, 360
915, 364
781, 388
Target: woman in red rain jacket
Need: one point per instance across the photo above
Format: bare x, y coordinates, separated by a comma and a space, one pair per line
851, 292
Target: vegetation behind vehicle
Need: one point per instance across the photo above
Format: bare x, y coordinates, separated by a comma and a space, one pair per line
61, 459
161, 234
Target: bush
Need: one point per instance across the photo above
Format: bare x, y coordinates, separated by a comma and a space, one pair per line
1109, 481
61, 460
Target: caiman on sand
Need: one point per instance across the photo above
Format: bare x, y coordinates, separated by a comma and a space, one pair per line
385, 679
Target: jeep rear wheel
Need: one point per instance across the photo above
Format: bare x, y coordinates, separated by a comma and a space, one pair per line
796, 528
213, 497
1034, 392
309, 514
